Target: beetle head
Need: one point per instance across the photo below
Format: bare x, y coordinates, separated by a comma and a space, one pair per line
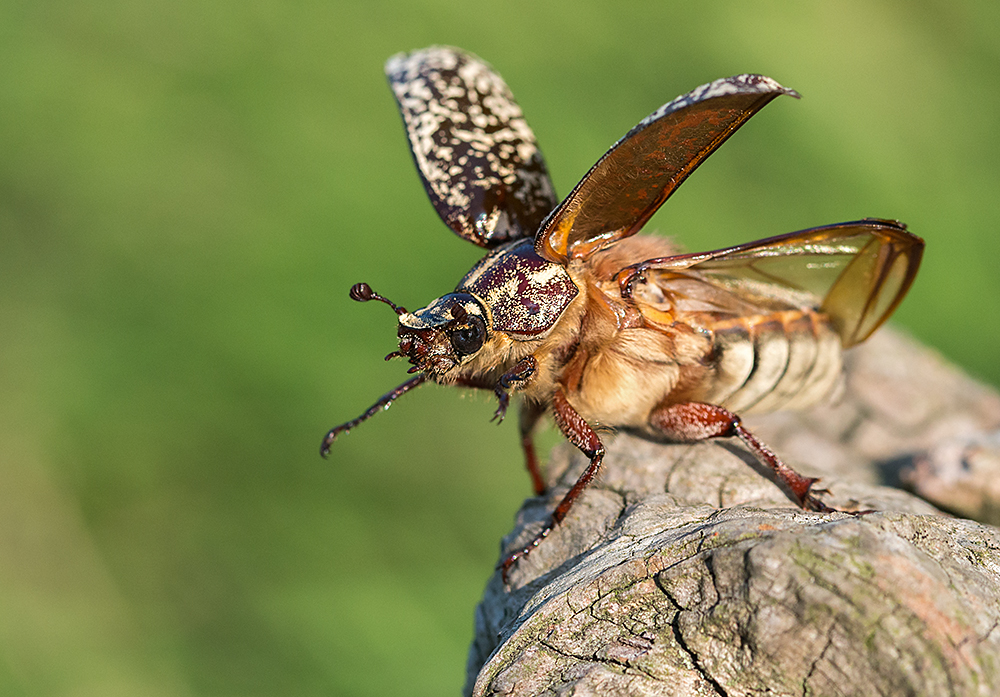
438, 337
444, 334
511, 291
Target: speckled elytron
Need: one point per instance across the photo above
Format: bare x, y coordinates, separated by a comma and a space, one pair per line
595, 325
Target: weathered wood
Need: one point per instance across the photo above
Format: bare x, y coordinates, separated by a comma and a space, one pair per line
685, 570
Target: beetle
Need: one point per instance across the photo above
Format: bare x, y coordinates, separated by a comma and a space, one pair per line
598, 326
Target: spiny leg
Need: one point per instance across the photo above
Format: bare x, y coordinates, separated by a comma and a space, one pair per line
580, 434
690, 422
384, 402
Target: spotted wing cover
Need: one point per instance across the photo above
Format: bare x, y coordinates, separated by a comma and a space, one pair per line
476, 155
630, 182
857, 273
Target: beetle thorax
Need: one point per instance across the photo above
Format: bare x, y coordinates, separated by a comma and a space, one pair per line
526, 295
511, 297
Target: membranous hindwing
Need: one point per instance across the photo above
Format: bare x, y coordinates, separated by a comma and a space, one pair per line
526, 295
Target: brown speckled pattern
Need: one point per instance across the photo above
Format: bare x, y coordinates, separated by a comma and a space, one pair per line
476, 155
525, 293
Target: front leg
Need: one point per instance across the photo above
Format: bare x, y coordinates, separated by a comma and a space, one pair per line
690, 422
522, 371
580, 434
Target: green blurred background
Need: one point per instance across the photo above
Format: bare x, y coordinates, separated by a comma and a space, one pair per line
188, 190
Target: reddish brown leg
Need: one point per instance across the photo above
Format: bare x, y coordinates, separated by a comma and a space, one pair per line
691, 422
580, 434
384, 402
529, 415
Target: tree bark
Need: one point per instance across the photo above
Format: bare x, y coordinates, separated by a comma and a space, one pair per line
685, 570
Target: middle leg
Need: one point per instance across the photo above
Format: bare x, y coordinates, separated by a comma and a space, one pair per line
579, 433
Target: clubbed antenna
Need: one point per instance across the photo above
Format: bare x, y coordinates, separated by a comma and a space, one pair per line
362, 292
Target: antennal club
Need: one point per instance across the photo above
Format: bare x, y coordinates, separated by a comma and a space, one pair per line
362, 292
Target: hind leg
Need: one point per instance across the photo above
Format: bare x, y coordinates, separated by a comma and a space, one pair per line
691, 422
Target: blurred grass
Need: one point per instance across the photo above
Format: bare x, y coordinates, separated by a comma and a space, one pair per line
187, 191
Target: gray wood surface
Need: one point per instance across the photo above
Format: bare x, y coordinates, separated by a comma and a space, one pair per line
685, 570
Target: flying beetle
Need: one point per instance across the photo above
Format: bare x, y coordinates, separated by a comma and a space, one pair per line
598, 326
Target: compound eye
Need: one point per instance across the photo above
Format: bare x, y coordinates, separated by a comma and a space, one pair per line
469, 339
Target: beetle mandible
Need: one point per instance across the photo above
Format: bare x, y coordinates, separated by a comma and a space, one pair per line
593, 324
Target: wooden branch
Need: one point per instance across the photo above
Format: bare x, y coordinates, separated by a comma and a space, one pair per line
685, 570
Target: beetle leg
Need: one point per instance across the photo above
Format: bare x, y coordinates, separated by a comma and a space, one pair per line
384, 402
529, 414
520, 373
690, 422
580, 434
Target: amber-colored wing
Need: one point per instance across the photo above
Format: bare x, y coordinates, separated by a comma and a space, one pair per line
626, 186
857, 273
476, 155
